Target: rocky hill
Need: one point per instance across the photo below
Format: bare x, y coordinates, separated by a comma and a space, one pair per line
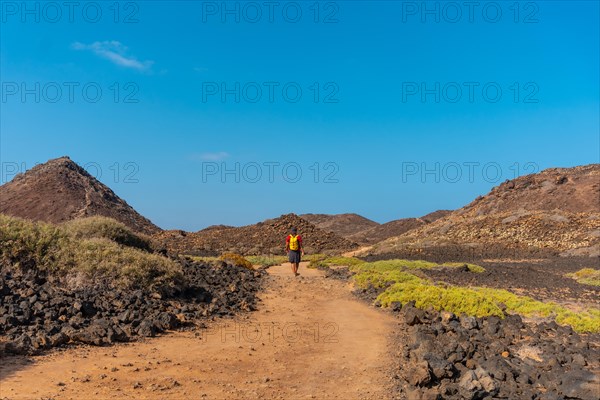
395, 228
573, 190
434, 216
341, 224
60, 190
554, 212
267, 237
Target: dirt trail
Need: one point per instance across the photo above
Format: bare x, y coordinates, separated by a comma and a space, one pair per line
309, 339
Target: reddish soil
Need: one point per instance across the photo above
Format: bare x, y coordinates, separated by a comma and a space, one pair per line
310, 338
60, 190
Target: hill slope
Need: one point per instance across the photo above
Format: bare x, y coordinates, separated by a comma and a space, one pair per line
60, 190
556, 211
395, 228
267, 237
341, 224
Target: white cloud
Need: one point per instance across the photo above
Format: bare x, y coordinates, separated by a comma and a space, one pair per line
115, 52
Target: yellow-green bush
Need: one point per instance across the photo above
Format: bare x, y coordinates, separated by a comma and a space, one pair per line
237, 260
455, 299
401, 284
395, 264
587, 276
384, 278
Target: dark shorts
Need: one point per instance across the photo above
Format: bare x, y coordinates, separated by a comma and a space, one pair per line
294, 256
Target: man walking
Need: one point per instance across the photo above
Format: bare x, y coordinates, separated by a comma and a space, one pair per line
293, 246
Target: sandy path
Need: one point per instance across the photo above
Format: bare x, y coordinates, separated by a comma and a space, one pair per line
309, 339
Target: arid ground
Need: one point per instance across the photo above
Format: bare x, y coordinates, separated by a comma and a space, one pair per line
310, 338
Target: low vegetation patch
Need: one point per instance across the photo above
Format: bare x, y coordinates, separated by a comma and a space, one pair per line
401, 284
109, 252
237, 260
107, 228
408, 265
267, 261
324, 261
587, 276
357, 264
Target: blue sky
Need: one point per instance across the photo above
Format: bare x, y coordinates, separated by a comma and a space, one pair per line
403, 110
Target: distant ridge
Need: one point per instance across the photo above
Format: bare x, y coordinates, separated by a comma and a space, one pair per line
365, 231
340, 224
554, 212
396, 227
266, 237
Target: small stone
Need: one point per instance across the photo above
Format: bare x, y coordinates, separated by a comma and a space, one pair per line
468, 322
419, 374
447, 317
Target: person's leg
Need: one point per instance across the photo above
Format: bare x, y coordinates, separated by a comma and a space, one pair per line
294, 262
296, 269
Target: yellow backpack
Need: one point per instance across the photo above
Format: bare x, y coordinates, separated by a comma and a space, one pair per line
293, 242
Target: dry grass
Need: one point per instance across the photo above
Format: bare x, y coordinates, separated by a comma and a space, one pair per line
107, 228
91, 248
267, 261
237, 260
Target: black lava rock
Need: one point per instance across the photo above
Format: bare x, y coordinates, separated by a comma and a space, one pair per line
39, 311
